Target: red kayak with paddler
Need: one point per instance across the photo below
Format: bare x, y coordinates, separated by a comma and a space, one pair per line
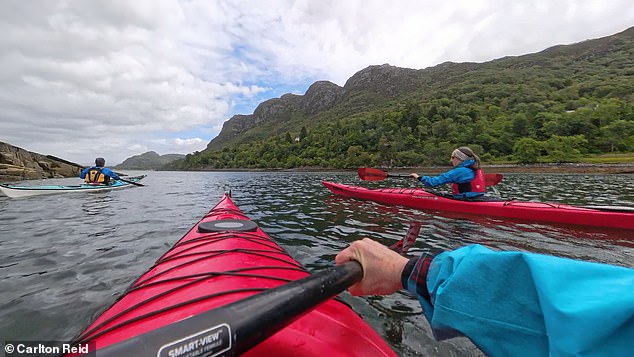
598, 216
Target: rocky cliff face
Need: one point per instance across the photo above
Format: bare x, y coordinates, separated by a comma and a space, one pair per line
18, 164
321, 96
384, 80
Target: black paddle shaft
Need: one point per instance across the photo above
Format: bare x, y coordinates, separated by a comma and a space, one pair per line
131, 182
235, 328
283, 306
397, 175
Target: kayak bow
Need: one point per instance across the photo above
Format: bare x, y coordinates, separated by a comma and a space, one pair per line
17, 191
418, 198
226, 272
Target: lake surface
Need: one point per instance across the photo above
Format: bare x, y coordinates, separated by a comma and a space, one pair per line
65, 258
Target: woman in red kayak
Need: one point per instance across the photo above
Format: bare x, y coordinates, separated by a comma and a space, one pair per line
509, 303
466, 177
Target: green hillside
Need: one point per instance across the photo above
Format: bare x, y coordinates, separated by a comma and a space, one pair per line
564, 104
148, 161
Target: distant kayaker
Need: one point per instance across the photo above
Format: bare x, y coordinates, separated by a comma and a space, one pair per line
98, 174
466, 177
509, 303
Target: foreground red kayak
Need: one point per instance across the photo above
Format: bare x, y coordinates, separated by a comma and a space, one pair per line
219, 290
598, 216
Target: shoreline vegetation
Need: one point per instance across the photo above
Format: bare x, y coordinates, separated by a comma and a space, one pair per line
566, 168
615, 163
562, 168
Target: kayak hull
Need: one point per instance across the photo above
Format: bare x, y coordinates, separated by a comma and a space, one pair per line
205, 271
17, 191
622, 218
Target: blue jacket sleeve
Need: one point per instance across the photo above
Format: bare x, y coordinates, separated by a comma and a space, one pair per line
456, 175
525, 304
108, 172
83, 173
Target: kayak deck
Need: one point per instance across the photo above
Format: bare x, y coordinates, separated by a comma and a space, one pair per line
17, 191
216, 263
418, 198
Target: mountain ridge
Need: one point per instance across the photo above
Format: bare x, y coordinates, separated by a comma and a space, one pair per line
377, 85
557, 105
149, 160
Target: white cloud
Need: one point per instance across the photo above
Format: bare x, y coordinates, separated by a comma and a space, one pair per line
81, 79
338, 38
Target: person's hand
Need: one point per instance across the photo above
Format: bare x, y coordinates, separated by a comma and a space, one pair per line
382, 267
415, 175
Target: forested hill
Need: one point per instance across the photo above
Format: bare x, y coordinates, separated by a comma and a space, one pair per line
148, 161
557, 105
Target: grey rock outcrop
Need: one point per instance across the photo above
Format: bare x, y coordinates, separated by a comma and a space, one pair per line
386, 80
321, 96
18, 164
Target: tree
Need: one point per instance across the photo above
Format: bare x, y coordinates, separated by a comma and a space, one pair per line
520, 125
618, 135
564, 148
527, 150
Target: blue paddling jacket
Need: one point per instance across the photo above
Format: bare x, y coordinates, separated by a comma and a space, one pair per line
459, 174
526, 304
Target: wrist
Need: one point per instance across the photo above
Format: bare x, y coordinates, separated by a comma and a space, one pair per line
398, 265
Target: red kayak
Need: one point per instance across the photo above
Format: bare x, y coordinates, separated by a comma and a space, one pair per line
220, 289
418, 198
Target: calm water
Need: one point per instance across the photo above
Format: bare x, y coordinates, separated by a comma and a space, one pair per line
64, 258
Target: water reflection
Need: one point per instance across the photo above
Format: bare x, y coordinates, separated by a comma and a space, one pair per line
97, 204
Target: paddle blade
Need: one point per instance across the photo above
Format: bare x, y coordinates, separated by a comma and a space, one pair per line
403, 245
370, 174
492, 179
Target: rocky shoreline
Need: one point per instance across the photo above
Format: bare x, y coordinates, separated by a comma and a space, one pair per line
17, 164
566, 168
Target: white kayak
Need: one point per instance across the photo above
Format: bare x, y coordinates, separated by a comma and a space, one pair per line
16, 191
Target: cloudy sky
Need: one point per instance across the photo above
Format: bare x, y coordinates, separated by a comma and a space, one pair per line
116, 78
